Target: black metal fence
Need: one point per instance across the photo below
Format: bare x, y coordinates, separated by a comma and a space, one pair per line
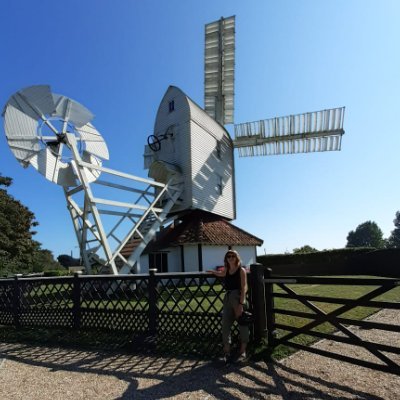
188, 306
182, 306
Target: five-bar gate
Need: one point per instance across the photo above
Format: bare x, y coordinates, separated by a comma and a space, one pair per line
294, 313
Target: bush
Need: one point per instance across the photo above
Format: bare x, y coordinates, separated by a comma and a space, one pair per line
55, 272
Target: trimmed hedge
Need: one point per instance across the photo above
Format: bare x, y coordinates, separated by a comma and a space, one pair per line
55, 272
326, 256
352, 261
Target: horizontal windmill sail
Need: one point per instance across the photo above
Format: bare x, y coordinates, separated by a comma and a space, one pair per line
302, 133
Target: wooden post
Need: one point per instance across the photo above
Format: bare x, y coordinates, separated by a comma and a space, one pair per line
152, 302
200, 257
76, 299
258, 300
269, 291
17, 302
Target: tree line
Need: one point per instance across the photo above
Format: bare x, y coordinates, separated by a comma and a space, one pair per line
367, 234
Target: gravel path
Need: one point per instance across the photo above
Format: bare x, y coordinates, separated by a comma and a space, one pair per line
40, 372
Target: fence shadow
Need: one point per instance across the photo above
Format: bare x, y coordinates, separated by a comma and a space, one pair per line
170, 377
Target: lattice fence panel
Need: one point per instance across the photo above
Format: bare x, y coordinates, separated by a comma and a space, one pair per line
46, 303
111, 304
186, 306
6, 302
190, 307
114, 321
190, 325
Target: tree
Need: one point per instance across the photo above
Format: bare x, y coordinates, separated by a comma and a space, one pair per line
367, 234
394, 238
19, 252
44, 261
67, 261
16, 222
304, 249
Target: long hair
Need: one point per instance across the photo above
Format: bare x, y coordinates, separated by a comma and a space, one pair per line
236, 254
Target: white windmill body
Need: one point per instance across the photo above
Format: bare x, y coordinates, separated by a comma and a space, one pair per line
200, 148
195, 140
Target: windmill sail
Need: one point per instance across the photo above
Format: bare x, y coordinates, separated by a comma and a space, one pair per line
219, 64
301, 133
36, 122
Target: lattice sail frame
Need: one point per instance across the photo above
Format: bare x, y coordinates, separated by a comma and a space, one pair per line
302, 133
219, 69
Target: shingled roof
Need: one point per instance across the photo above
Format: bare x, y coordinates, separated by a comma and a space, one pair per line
198, 227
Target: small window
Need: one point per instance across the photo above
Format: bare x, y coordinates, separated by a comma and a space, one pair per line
159, 261
171, 106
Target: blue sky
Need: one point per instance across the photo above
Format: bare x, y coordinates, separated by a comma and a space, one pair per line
119, 57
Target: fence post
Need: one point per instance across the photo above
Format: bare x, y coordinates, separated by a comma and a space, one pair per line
17, 302
76, 299
152, 302
258, 299
269, 297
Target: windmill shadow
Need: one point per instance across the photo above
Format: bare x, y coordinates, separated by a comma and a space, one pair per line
213, 176
180, 376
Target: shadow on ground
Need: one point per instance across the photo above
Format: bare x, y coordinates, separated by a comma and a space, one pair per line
154, 377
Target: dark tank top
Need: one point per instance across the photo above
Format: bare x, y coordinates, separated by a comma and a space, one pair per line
232, 282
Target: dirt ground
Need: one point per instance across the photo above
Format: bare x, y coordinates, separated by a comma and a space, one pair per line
43, 372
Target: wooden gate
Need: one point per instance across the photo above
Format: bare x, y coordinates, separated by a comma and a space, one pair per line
297, 315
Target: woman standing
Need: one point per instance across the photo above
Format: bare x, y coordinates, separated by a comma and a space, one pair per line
234, 300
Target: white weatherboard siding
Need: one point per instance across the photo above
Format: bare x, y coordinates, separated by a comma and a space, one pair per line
193, 148
191, 258
174, 259
175, 150
213, 256
248, 254
144, 264
209, 170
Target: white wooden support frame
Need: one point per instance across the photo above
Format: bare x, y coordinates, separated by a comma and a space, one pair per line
145, 218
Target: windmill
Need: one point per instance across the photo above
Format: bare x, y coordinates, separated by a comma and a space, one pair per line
189, 156
195, 140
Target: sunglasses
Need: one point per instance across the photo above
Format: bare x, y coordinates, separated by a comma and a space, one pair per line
231, 256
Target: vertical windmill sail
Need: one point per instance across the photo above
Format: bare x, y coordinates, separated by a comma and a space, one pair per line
219, 69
